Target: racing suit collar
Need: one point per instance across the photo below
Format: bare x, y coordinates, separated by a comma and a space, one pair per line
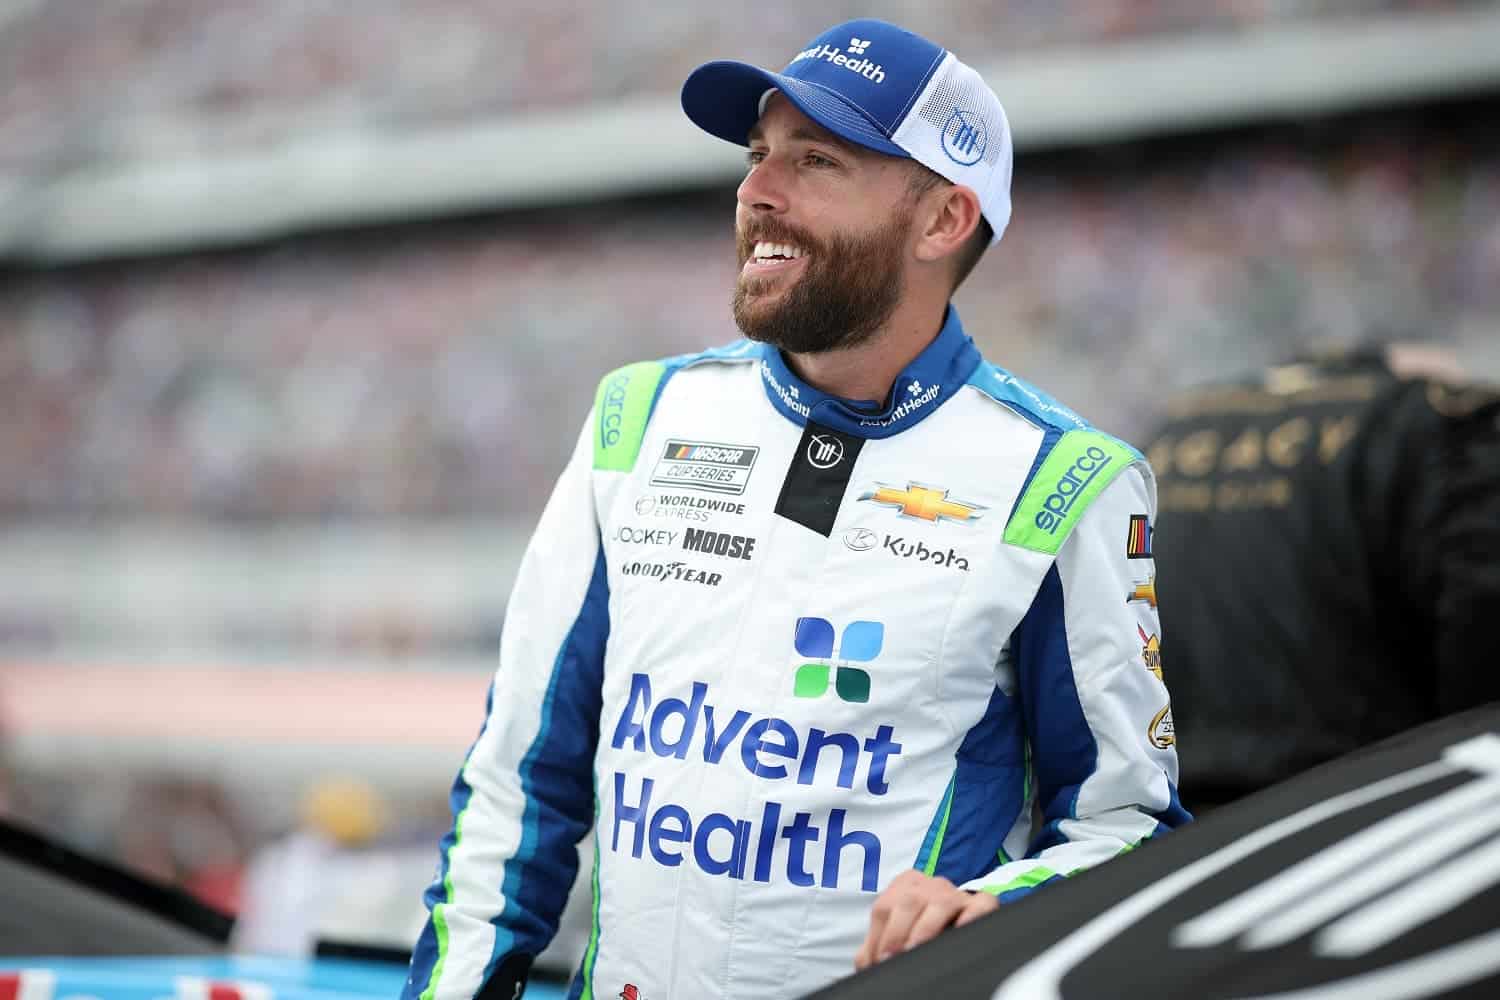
924, 385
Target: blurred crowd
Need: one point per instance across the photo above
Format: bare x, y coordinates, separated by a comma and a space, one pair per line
444, 370
336, 858
145, 77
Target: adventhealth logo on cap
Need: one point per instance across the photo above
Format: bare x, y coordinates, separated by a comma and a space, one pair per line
864, 67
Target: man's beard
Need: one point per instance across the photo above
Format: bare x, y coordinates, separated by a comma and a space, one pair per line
851, 286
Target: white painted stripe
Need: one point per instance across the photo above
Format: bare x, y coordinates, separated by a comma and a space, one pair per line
1414, 905
1040, 978
1399, 867
1432, 974
1245, 911
198, 988
37, 984
191, 988
1480, 754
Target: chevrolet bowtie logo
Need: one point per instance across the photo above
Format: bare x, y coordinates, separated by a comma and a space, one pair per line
925, 502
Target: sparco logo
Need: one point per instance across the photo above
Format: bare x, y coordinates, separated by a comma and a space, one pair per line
614, 409
788, 396
866, 68
718, 543
662, 572
646, 536
1073, 482
921, 553
917, 396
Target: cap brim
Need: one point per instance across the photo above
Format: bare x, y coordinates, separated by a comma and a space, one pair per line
723, 99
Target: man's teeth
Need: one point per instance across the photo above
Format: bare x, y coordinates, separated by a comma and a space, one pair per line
765, 251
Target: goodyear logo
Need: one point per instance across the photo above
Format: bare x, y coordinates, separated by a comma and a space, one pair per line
1075, 472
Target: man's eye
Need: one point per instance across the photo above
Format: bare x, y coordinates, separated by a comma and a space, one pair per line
753, 157
819, 161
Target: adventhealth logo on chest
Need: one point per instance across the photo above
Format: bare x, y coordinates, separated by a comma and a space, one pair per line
865, 67
694, 731
861, 643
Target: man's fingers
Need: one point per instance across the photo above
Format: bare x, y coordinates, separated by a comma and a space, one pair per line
935, 917
865, 957
904, 913
979, 904
913, 909
880, 914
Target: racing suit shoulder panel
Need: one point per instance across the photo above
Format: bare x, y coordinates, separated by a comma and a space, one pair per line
1073, 465
1071, 471
627, 396
1024, 398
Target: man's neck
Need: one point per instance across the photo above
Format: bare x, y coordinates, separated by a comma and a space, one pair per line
868, 370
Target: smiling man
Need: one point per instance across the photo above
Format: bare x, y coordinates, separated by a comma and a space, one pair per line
837, 636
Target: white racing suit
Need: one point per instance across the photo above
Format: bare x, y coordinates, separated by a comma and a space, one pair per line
775, 648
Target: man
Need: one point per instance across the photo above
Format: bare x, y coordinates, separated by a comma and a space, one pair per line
829, 635
1330, 552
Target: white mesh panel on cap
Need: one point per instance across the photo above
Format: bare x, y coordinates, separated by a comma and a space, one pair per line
958, 88
957, 128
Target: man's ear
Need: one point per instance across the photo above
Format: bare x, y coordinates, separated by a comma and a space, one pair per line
951, 213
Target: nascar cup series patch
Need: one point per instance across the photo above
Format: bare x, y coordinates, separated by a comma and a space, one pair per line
705, 465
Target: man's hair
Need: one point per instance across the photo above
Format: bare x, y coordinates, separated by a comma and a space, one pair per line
924, 179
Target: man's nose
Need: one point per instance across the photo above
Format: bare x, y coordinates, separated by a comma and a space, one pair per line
764, 187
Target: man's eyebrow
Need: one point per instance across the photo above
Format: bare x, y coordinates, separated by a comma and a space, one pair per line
808, 133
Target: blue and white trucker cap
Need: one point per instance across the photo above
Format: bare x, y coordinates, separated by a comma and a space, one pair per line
882, 87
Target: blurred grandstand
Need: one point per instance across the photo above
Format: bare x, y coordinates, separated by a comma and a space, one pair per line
141, 77
286, 481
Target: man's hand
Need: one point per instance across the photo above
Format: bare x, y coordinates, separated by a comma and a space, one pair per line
916, 908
